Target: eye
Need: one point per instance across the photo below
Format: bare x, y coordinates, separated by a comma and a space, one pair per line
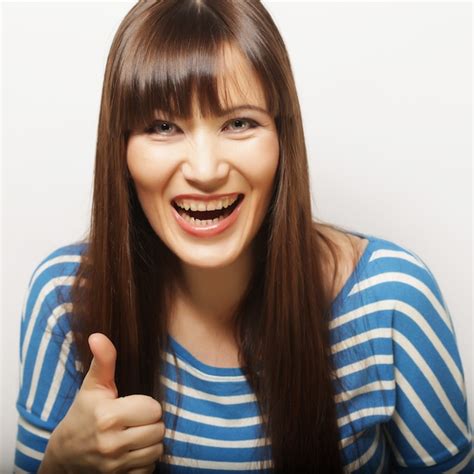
166, 128
240, 123
161, 128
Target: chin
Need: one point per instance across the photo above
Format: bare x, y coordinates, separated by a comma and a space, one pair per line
209, 258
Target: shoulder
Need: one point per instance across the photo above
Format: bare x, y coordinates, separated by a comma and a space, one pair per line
400, 286
393, 305
375, 268
47, 294
63, 261
391, 271
392, 297
410, 323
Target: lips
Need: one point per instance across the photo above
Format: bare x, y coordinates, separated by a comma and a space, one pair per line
212, 229
204, 214
204, 197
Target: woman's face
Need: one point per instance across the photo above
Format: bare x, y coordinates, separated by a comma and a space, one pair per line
236, 154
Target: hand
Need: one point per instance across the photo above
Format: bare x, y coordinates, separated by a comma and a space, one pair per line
103, 433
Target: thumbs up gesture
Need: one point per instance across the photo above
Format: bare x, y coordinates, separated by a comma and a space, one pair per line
104, 433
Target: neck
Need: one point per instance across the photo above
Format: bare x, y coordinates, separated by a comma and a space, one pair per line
210, 295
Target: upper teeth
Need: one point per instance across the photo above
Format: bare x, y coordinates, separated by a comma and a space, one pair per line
206, 206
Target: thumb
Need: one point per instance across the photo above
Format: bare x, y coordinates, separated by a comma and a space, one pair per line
101, 372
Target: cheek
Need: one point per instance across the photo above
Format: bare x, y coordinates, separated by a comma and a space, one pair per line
267, 170
259, 162
152, 167
150, 173
147, 169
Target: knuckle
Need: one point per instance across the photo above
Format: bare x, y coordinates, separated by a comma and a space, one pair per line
105, 447
151, 404
161, 449
161, 429
108, 467
112, 466
104, 419
154, 406
144, 470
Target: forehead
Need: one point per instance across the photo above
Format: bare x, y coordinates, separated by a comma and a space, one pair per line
191, 83
237, 82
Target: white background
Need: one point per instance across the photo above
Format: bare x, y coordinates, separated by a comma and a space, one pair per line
385, 90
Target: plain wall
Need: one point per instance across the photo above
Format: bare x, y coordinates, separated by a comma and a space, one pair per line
385, 90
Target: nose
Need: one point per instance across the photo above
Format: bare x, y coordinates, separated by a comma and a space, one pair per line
205, 165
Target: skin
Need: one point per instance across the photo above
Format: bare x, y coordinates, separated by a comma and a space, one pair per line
209, 155
350, 248
103, 432
213, 155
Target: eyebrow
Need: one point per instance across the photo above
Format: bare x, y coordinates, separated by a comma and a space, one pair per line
235, 109
243, 106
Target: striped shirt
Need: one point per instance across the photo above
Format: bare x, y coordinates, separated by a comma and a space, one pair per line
403, 406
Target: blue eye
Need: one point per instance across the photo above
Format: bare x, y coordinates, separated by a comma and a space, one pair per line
164, 128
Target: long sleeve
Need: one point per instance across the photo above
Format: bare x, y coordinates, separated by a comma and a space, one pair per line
401, 395
429, 430
49, 376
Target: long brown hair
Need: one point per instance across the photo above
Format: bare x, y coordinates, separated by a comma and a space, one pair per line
163, 52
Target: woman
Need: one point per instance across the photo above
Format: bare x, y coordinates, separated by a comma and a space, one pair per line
207, 323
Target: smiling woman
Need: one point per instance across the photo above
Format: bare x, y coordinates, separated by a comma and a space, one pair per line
208, 323
206, 154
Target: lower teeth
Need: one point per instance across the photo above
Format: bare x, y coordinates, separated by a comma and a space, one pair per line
201, 223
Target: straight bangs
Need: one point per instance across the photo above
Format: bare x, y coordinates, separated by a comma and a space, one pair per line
169, 59
177, 62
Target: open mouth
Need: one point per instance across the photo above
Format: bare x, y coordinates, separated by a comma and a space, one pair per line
203, 216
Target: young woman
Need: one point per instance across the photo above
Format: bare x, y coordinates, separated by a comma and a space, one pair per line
207, 323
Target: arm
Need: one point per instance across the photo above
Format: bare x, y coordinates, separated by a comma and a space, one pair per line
429, 431
48, 376
69, 422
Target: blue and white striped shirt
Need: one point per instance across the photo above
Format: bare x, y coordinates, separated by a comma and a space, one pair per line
393, 345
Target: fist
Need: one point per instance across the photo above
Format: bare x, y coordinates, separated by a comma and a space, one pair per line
104, 433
